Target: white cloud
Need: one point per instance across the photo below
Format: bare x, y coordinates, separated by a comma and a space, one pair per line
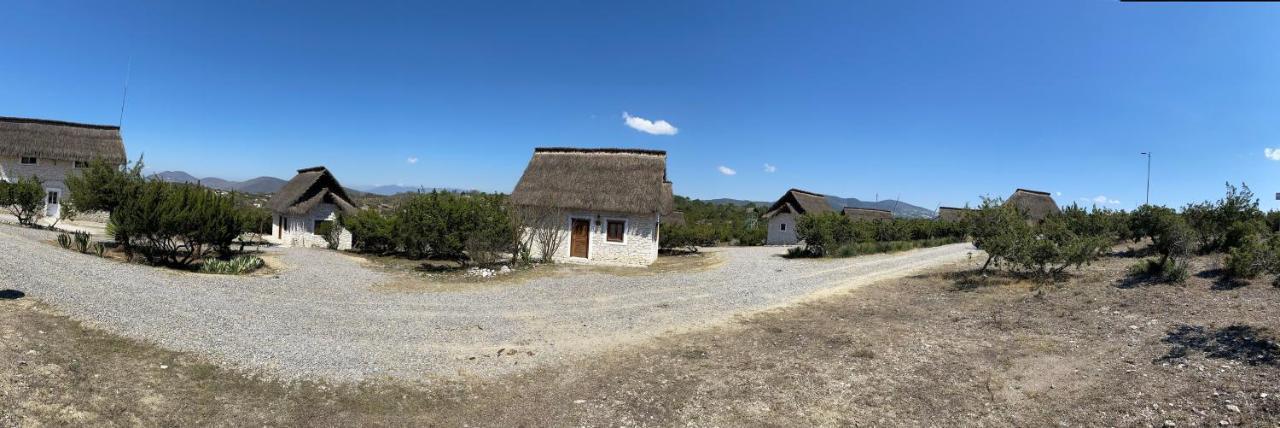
726, 170
770, 168
658, 127
1273, 154
411, 160
1059, 193
1101, 200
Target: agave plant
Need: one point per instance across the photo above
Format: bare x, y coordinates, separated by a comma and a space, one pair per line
98, 249
238, 265
64, 240
82, 241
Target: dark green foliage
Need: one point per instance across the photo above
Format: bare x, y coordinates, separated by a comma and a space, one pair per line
1146, 220
457, 226
81, 241
102, 186
1101, 222
255, 220
707, 224
24, 199
326, 230
64, 241
1168, 271
823, 232
175, 224
1227, 223
687, 236
370, 230
997, 229
1247, 260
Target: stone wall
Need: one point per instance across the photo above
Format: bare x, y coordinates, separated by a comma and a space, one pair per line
639, 246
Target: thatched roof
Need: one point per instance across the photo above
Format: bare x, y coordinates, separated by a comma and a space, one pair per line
309, 188
855, 213
800, 202
951, 213
612, 180
53, 139
1034, 204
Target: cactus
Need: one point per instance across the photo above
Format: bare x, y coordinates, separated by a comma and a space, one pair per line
64, 240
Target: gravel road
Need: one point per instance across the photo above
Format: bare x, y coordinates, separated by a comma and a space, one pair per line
323, 317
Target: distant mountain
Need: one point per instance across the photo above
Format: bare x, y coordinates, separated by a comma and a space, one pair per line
260, 185
176, 177
899, 209
737, 202
392, 189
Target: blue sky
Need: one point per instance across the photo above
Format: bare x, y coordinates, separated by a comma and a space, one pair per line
938, 102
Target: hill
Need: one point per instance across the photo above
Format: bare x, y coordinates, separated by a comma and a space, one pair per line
258, 186
898, 208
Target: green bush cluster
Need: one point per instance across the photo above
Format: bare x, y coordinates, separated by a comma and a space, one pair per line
238, 265
1044, 249
838, 235
24, 199
708, 224
176, 223
474, 227
1228, 222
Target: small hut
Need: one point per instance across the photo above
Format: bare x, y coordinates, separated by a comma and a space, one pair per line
1034, 205
306, 206
782, 215
604, 206
53, 150
951, 213
867, 214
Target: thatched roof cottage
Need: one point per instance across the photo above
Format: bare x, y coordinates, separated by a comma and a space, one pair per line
308, 205
1034, 205
51, 150
951, 213
783, 214
864, 214
599, 206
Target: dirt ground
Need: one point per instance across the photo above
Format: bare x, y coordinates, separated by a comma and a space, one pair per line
447, 276
937, 349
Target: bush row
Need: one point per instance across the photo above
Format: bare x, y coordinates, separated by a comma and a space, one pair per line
472, 227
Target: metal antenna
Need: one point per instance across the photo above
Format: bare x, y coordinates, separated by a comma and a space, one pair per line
125, 96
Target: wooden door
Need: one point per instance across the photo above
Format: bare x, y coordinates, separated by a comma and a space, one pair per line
580, 239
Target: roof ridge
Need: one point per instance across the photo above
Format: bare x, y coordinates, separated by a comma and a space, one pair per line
56, 122
312, 169
806, 192
598, 150
868, 209
1031, 191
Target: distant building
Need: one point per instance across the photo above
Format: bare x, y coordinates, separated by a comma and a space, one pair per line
307, 203
951, 213
51, 150
1035, 205
607, 204
861, 214
782, 214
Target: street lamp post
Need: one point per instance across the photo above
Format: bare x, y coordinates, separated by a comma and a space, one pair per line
1148, 177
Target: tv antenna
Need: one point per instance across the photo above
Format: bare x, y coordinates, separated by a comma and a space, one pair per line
125, 95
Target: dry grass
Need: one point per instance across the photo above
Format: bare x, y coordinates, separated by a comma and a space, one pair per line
922, 351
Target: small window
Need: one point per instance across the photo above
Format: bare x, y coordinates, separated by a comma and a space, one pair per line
783, 225
52, 199
28, 160
614, 229
81, 164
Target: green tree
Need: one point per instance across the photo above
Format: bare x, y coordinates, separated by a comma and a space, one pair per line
103, 186
823, 232
996, 229
24, 199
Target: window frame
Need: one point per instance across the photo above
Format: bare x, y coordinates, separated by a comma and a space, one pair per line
79, 164
622, 239
22, 160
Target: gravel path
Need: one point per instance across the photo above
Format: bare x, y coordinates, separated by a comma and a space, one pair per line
323, 318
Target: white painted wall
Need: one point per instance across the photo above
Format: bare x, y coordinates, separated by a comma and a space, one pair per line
782, 229
52, 172
301, 230
639, 246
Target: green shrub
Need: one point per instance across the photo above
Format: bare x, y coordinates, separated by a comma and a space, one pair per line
81, 241
687, 236
64, 241
1169, 270
713, 223
103, 186
24, 199
176, 224
98, 249
998, 230
1224, 224
238, 265
450, 225
370, 230
823, 232
1247, 260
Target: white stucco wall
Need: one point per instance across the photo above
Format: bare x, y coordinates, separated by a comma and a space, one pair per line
639, 246
52, 172
777, 234
301, 230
